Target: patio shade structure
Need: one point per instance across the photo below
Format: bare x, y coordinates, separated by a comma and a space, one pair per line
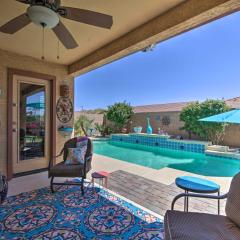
232, 116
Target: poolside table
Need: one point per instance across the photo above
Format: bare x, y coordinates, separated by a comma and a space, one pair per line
197, 185
101, 176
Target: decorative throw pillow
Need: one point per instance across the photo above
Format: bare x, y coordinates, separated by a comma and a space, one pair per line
76, 156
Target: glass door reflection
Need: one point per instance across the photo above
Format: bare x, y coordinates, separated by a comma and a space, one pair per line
32, 113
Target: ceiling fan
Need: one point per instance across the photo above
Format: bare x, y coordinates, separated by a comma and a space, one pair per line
47, 13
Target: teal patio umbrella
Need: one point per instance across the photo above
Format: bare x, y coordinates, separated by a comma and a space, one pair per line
232, 116
36, 105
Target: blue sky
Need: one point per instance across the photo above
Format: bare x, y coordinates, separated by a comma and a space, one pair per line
200, 64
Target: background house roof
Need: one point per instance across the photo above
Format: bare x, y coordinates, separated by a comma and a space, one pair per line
233, 102
166, 107
178, 106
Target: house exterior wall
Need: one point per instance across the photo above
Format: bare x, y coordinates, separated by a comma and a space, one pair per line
231, 137
12, 60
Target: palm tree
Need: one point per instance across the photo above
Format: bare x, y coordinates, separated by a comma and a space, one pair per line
82, 125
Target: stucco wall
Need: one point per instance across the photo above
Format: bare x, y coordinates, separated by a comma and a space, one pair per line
11, 60
139, 119
231, 137
96, 117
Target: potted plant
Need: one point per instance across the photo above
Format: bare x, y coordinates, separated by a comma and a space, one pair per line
137, 129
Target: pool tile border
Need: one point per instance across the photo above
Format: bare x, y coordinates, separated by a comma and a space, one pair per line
160, 141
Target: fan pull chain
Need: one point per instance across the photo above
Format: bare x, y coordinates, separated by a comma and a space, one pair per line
43, 41
58, 48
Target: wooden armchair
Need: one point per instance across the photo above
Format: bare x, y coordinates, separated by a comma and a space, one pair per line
63, 170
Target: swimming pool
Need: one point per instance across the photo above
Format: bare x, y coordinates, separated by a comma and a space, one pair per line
158, 158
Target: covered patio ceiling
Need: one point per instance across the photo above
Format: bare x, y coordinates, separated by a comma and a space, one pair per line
136, 24
127, 15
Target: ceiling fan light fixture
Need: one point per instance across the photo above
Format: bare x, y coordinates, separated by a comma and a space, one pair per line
41, 15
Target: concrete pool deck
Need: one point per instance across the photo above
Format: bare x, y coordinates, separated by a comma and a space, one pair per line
165, 176
153, 189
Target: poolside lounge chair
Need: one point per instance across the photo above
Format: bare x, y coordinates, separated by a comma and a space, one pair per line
201, 226
71, 171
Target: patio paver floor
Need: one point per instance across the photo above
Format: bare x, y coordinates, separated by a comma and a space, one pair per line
153, 189
156, 196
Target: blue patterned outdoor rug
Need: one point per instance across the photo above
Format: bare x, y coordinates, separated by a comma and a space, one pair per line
66, 214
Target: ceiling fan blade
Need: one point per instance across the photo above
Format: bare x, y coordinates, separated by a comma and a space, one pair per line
88, 17
65, 36
15, 24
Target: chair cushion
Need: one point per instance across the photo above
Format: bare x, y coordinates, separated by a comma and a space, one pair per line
233, 200
82, 142
199, 226
63, 170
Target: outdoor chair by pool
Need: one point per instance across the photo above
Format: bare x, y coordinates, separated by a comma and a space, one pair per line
71, 171
202, 226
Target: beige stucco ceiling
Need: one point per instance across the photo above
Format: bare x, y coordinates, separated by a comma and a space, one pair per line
127, 15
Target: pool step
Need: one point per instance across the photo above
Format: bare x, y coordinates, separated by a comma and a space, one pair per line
234, 155
218, 148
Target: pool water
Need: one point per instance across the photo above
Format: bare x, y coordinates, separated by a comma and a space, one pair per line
158, 158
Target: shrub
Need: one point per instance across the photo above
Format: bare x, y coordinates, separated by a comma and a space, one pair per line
208, 131
119, 113
103, 129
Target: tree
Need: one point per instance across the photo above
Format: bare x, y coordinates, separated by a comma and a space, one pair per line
119, 113
190, 115
82, 125
208, 131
